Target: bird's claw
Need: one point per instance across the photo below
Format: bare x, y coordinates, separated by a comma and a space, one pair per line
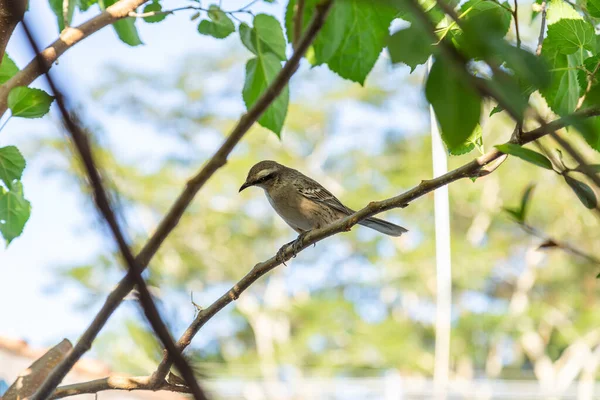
280, 257
296, 247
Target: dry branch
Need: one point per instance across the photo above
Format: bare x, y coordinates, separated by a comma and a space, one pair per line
67, 39
115, 382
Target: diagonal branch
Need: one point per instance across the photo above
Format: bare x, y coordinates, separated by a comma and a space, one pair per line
102, 202
472, 169
550, 242
67, 39
11, 13
219, 159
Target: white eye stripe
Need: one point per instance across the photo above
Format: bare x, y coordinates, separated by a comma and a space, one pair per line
264, 172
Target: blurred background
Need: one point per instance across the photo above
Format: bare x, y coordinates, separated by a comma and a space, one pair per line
351, 318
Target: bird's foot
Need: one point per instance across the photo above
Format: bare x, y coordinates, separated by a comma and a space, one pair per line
297, 244
280, 256
296, 247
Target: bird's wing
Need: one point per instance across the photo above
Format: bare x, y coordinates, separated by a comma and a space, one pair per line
313, 190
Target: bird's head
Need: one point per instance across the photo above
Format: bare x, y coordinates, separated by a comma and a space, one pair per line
263, 174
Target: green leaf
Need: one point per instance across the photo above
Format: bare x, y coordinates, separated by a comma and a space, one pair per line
260, 72
220, 26
525, 154
520, 213
568, 36
410, 46
353, 36
14, 212
265, 36
29, 102
57, 8
125, 28
85, 4
563, 92
483, 23
526, 66
593, 167
362, 42
457, 105
525, 200
8, 69
12, 165
585, 193
328, 39
593, 7
497, 15
473, 141
154, 7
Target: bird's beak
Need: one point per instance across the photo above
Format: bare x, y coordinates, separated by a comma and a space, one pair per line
245, 185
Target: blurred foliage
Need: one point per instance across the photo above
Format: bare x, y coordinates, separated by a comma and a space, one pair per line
358, 302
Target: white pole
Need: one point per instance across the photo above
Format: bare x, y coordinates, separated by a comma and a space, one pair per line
443, 262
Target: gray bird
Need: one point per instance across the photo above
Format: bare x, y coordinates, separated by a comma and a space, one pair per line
302, 202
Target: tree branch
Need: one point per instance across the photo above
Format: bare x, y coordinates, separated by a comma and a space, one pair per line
472, 169
543, 7
67, 39
219, 159
115, 382
104, 207
11, 13
550, 242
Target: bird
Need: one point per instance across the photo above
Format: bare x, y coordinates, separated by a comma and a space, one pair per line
303, 203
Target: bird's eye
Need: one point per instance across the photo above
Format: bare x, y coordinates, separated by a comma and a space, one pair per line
264, 178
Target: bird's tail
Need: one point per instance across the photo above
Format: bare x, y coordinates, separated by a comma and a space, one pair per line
383, 226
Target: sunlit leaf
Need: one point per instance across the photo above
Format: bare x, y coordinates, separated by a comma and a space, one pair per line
220, 25
29, 102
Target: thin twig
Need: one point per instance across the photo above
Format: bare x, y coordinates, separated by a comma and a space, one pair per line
515, 14
550, 242
538, 50
65, 13
135, 271
134, 14
590, 81
68, 38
